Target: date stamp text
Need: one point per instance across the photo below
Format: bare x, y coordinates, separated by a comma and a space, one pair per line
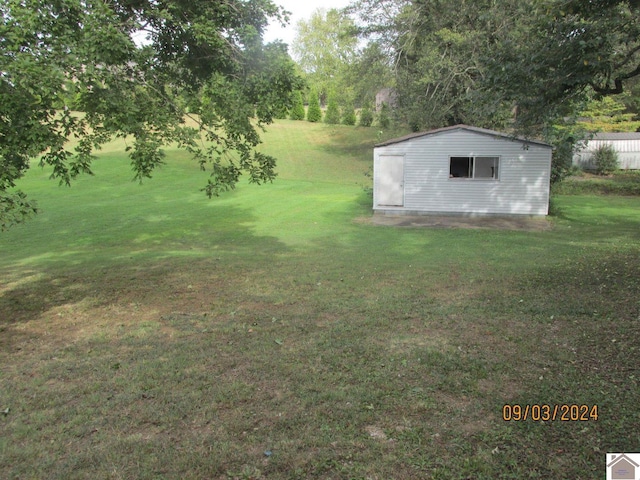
549, 413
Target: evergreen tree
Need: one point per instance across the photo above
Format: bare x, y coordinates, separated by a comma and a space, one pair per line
297, 112
332, 115
349, 115
314, 113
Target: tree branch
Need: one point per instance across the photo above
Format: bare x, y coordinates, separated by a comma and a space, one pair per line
619, 88
627, 58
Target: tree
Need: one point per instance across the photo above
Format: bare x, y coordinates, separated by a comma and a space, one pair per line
59, 55
631, 96
437, 56
349, 115
324, 46
370, 72
607, 114
571, 49
332, 115
314, 113
297, 111
479, 61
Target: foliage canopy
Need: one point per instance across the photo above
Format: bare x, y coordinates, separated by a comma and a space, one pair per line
571, 50
491, 62
324, 47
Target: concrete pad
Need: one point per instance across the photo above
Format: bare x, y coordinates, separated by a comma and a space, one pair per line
523, 223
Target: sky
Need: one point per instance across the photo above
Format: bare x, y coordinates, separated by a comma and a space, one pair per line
300, 10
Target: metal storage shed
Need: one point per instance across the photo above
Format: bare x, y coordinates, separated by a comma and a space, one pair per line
461, 170
626, 144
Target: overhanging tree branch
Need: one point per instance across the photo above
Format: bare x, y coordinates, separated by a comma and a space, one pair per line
618, 85
139, 92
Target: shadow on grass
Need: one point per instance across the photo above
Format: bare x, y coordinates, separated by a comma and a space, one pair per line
555, 208
352, 142
144, 261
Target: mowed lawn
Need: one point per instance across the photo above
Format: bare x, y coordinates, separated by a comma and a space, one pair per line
147, 332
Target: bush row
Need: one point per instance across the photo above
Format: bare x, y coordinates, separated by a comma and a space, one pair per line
334, 115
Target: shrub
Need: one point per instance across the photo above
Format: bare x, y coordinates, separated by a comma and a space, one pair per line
297, 112
566, 140
561, 159
349, 116
366, 116
606, 159
314, 114
332, 115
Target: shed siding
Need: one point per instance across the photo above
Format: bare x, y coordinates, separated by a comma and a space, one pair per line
522, 187
628, 153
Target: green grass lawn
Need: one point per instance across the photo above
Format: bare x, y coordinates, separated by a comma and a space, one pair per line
149, 332
622, 182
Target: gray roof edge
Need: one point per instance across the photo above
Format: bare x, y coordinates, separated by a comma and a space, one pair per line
483, 131
616, 136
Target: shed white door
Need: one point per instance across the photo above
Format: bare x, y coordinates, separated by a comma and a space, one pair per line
390, 180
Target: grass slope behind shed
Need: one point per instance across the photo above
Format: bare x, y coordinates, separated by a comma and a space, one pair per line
622, 182
148, 332
323, 153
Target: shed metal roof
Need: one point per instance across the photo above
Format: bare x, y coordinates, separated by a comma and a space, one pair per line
617, 136
482, 131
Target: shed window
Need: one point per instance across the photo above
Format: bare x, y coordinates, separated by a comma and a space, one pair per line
474, 167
